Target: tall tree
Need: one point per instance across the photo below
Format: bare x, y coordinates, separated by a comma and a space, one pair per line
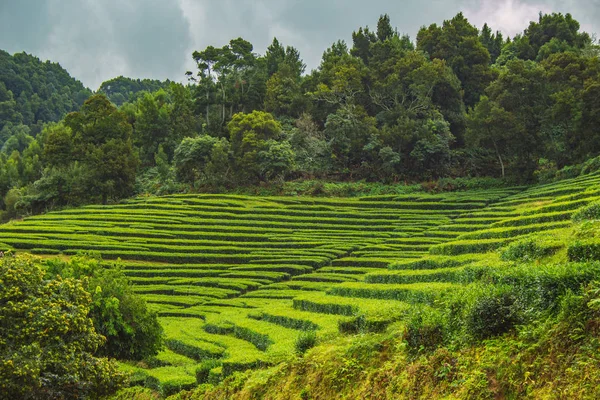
102, 142
555, 26
457, 42
493, 42
278, 55
258, 147
284, 96
206, 61
384, 28
153, 126
490, 125
236, 77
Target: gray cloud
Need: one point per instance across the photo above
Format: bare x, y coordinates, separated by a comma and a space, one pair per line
100, 39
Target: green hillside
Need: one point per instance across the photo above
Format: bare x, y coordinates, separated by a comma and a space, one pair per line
33, 92
237, 280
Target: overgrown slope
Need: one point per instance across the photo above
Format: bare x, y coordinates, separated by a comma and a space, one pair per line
239, 281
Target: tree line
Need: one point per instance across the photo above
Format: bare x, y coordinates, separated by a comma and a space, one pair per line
455, 102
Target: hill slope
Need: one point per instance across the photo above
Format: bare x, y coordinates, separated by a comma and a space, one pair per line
238, 280
33, 92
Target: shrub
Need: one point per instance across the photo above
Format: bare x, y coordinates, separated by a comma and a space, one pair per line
325, 308
305, 341
48, 340
137, 393
172, 387
492, 314
203, 370
410, 293
286, 321
230, 367
151, 382
424, 330
540, 286
584, 251
526, 250
261, 341
590, 212
591, 165
132, 331
363, 324
582, 311
138, 378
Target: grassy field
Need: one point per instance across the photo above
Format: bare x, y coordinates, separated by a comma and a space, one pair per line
237, 280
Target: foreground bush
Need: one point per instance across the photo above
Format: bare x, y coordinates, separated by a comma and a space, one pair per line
47, 340
132, 331
306, 340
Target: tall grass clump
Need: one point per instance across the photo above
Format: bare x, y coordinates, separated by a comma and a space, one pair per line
305, 341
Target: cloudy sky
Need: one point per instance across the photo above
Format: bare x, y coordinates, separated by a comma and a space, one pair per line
96, 40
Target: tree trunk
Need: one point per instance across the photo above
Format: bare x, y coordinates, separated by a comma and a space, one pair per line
223, 108
499, 159
207, 109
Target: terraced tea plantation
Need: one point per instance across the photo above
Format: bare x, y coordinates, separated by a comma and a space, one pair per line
236, 280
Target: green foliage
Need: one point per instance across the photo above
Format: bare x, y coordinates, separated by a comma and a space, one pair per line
33, 92
492, 41
526, 250
135, 393
48, 340
457, 43
121, 89
153, 126
104, 148
283, 94
276, 159
425, 329
203, 370
586, 250
192, 157
258, 149
305, 341
587, 213
159, 180
132, 331
555, 27
494, 312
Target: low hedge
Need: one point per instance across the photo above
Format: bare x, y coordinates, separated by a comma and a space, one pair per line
325, 308
582, 251
192, 351
468, 246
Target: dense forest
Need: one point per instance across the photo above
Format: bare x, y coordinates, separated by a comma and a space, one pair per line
455, 102
32, 93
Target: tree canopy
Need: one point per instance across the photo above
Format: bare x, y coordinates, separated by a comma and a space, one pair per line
456, 101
